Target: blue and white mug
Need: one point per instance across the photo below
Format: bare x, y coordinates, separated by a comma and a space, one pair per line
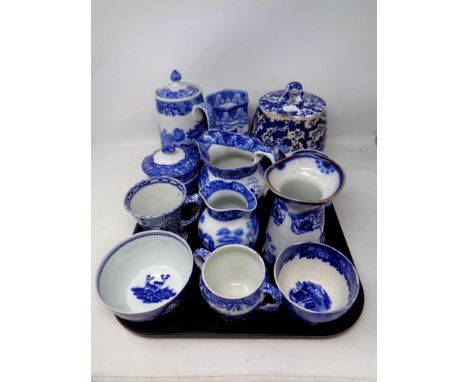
157, 202
233, 281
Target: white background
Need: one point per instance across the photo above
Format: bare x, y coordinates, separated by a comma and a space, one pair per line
258, 46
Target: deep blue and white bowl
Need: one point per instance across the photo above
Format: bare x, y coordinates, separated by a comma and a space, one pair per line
318, 282
143, 277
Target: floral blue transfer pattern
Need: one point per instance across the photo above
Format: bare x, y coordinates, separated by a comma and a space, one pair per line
153, 291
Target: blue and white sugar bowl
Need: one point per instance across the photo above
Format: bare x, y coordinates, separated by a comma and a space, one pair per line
182, 114
318, 282
175, 161
292, 118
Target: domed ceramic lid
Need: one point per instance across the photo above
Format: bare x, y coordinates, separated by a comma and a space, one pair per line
292, 102
179, 162
177, 89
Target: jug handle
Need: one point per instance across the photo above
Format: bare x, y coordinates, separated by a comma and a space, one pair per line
193, 199
205, 108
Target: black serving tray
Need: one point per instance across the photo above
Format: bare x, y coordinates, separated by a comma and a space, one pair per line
193, 318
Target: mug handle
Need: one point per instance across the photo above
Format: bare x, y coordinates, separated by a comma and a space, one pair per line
274, 292
193, 199
199, 256
207, 109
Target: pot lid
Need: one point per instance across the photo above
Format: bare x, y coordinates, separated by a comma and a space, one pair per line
178, 162
177, 89
292, 102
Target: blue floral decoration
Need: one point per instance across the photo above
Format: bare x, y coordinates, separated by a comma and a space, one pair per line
206, 239
311, 296
279, 211
325, 166
153, 291
307, 221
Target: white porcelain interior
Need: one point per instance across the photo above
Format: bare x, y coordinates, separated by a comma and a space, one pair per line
128, 267
318, 272
301, 179
156, 199
233, 271
226, 157
227, 200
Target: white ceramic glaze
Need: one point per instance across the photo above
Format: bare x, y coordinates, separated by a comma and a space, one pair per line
122, 276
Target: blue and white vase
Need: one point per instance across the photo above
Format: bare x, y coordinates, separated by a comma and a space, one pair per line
304, 184
233, 281
230, 108
182, 114
229, 217
234, 157
291, 118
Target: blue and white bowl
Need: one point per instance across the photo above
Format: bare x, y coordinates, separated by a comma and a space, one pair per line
318, 282
143, 277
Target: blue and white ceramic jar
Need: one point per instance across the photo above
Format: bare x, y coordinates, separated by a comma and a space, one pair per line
230, 107
175, 161
182, 114
303, 184
233, 281
291, 118
229, 217
234, 157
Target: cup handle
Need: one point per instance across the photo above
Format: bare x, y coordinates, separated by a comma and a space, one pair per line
274, 292
199, 256
207, 109
193, 199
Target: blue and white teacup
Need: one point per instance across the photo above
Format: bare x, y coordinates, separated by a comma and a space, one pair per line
319, 283
230, 107
233, 281
156, 203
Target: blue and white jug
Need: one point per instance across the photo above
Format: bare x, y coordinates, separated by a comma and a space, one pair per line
304, 184
234, 157
229, 217
182, 114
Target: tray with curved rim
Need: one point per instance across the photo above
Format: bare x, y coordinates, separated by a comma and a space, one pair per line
193, 318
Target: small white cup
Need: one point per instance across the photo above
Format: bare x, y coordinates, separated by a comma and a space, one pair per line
233, 281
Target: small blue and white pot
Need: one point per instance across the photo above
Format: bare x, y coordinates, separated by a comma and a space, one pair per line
230, 107
182, 114
233, 281
234, 157
229, 217
291, 118
175, 161
144, 276
156, 203
304, 184
318, 282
